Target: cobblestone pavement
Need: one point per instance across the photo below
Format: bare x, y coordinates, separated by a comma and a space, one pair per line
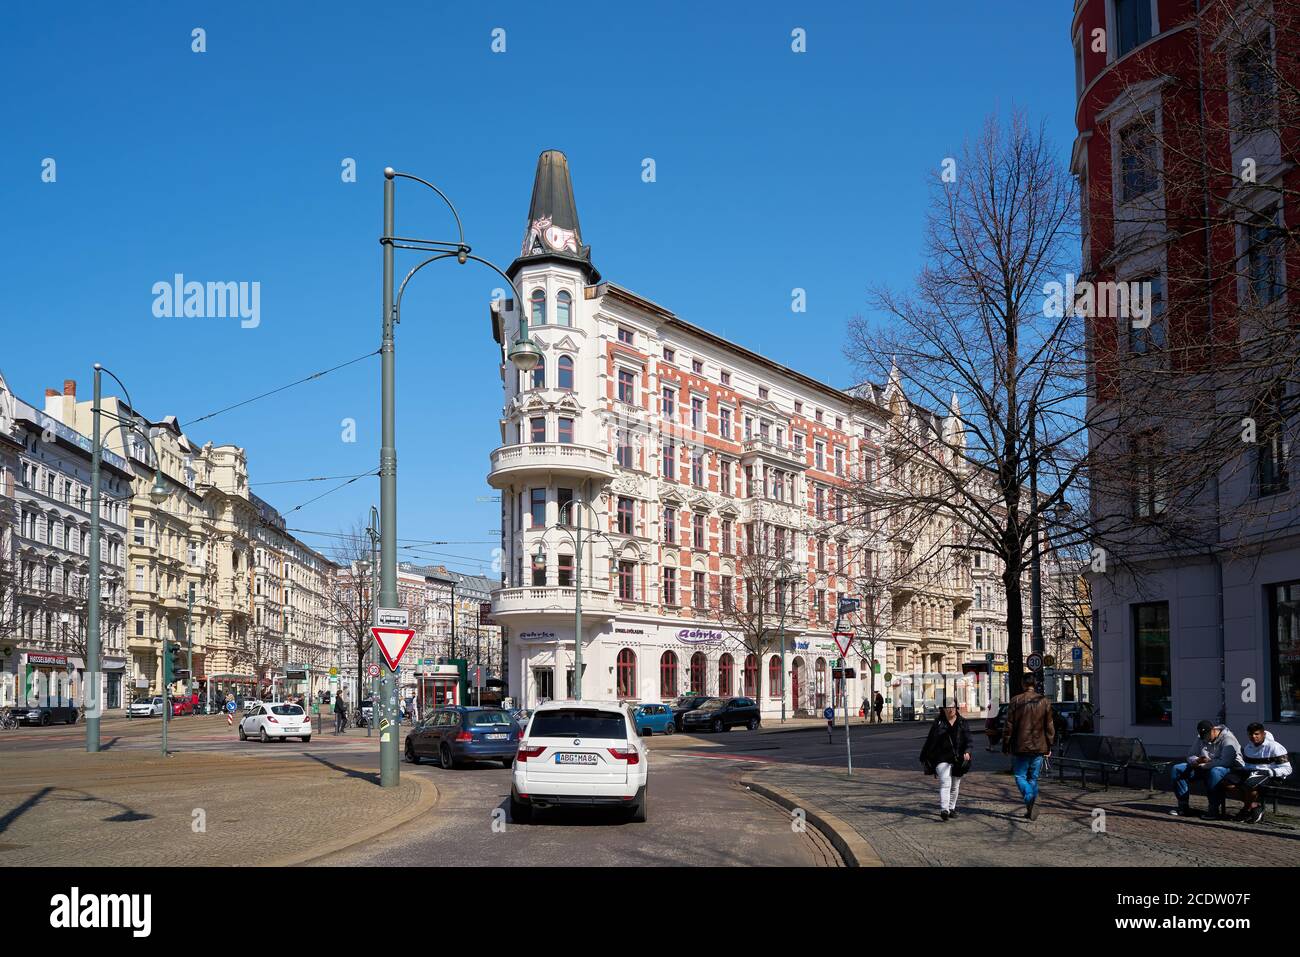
896, 812
126, 808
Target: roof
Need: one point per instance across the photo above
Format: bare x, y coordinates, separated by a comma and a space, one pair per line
552, 232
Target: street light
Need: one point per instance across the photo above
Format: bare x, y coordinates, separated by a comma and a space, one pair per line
157, 494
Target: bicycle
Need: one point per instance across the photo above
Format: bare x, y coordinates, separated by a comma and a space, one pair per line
7, 720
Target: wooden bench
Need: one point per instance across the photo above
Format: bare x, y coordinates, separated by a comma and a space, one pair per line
1105, 755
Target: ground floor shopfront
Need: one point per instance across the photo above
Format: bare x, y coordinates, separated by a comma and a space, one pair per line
36, 678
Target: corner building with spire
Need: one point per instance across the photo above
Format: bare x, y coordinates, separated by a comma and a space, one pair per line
679, 454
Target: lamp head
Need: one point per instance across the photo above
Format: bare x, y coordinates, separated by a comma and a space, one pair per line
525, 355
158, 494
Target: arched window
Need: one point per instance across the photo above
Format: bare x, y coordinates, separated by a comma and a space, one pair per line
627, 673
565, 373
725, 667
819, 675
563, 308
538, 310
751, 676
539, 373
668, 675
697, 673
774, 675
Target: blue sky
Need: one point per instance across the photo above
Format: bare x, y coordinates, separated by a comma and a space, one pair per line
775, 170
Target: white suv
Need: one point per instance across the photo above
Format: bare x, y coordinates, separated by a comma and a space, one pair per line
580, 753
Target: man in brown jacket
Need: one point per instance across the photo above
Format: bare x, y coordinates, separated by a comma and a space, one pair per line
1028, 736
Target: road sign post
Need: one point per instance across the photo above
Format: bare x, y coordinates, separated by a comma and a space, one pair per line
844, 641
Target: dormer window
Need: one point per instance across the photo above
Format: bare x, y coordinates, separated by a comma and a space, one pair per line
563, 308
537, 311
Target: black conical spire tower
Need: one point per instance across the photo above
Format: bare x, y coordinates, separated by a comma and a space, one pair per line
552, 232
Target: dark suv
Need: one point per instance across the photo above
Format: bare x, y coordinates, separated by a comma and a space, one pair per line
722, 714
684, 704
454, 735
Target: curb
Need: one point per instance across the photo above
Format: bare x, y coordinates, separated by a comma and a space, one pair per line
429, 797
851, 846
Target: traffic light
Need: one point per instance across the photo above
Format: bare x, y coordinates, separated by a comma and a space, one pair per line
172, 662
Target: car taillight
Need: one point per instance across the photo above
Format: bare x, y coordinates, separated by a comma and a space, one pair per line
271, 719
464, 736
526, 752
631, 755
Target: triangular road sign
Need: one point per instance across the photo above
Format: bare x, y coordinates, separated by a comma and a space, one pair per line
393, 642
844, 640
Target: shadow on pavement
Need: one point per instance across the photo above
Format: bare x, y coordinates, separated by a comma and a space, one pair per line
371, 776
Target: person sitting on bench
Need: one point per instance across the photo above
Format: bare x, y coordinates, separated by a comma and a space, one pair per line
1266, 760
1215, 753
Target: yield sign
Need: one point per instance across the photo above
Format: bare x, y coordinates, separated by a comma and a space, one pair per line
393, 643
844, 640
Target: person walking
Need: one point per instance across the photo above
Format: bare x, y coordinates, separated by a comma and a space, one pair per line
946, 754
1028, 736
340, 713
879, 705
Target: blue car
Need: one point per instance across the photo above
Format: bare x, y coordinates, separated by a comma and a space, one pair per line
453, 736
654, 719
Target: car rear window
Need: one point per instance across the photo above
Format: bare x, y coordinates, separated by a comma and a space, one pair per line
479, 719
286, 709
578, 723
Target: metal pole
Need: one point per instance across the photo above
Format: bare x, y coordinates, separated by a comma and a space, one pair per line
189, 639
577, 604
1035, 586
92, 613
389, 767
453, 619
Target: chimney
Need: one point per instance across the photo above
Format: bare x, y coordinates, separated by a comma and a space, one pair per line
51, 392
70, 387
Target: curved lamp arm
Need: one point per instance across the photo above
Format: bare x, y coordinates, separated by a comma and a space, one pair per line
158, 494
391, 173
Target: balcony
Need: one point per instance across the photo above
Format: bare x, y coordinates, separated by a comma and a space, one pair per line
555, 458
756, 445
550, 603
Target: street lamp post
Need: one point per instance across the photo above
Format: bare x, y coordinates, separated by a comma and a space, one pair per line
157, 495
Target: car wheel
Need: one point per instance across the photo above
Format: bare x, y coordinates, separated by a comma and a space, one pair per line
242, 735
718, 726
45, 719
265, 737
507, 762
306, 738
411, 756
669, 728
521, 812
73, 718
753, 724
445, 759
641, 809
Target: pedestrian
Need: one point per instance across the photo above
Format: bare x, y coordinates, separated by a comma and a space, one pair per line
340, 713
1266, 760
1215, 754
1028, 736
880, 705
946, 754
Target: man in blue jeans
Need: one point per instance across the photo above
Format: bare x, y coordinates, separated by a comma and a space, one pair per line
1028, 736
1215, 753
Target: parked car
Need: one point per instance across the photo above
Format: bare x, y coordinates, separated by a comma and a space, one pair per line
455, 735
276, 720
45, 714
251, 703
684, 704
654, 719
146, 707
993, 725
181, 706
1073, 717
585, 753
723, 714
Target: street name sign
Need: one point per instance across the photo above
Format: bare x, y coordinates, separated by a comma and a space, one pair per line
393, 642
843, 640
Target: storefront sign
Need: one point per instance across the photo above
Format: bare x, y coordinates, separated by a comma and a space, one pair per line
36, 658
536, 636
629, 631
701, 636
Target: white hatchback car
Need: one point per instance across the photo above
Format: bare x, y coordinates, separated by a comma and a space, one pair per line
276, 720
146, 707
585, 753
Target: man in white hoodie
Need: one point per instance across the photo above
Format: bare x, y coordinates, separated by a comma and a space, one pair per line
1266, 759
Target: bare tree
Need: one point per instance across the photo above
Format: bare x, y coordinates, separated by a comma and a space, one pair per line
978, 337
352, 600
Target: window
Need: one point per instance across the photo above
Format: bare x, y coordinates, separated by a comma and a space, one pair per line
623, 442
724, 423
539, 373
537, 429
537, 507
1078, 66
762, 392
1284, 639
670, 355
798, 443
839, 558
670, 586
139, 624
668, 675
626, 580
697, 366
979, 596
979, 638
539, 568
565, 571
819, 501
697, 415
563, 308
1148, 484
565, 431
697, 521
724, 477
537, 302
669, 405
1254, 85
624, 515
727, 589
798, 407
627, 673
818, 415
774, 684
1132, 25
821, 554
725, 667
726, 377
819, 603
565, 373
138, 535
1152, 338
819, 456
670, 460
625, 336
627, 386
670, 525
839, 461
1152, 690
564, 505
726, 536
1264, 248
698, 599
1271, 450
1137, 161
839, 424
697, 469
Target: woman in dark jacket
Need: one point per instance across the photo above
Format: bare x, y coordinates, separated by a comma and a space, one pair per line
947, 754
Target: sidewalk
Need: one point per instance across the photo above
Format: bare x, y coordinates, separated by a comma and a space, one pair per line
896, 814
124, 808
